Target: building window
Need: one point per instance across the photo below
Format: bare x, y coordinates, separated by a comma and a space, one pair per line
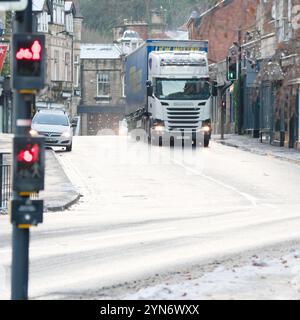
42, 20
123, 87
56, 65
67, 66
103, 85
54, 15
69, 23
58, 12
76, 71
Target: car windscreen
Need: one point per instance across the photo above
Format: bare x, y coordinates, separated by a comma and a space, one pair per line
51, 119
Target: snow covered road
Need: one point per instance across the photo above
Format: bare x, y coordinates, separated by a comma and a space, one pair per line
147, 212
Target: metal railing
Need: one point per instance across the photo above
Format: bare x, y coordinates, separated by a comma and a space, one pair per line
5, 181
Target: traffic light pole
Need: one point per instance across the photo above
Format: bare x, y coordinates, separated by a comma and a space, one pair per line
240, 86
20, 237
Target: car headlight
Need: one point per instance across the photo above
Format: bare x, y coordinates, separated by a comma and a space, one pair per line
66, 135
33, 133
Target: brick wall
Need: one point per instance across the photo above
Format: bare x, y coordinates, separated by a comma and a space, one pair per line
220, 26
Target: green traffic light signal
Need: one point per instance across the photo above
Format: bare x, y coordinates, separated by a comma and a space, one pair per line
232, 73
231, 76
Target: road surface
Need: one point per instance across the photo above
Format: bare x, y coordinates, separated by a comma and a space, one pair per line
147, 212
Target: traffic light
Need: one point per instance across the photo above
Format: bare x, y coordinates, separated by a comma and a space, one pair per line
29, 164
29, 61
232, 69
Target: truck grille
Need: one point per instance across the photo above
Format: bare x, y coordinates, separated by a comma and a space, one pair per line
184, 118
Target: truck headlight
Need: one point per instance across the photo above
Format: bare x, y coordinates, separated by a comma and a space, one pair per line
206, 129
159, 128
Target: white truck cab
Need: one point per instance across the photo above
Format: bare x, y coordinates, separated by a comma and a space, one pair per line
181, 99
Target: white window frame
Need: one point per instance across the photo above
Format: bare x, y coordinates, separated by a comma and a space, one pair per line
123, 87
76, 71
103, 79
56, 65
67, 66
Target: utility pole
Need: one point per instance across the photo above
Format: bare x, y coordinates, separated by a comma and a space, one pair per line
223, 107
240, 85
28, 74
223, 112
22, 111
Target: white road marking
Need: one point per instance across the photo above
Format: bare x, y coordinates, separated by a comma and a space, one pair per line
247, 196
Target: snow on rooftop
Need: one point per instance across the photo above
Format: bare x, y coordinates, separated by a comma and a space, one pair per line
38, 5
68, 5
100, 51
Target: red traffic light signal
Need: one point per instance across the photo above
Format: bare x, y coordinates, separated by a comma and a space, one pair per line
29, 61
30, 154
29, 164
33, 53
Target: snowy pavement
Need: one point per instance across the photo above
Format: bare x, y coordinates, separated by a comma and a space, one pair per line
247, 143
148, 215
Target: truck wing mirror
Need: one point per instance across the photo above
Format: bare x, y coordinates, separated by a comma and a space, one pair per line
149, 88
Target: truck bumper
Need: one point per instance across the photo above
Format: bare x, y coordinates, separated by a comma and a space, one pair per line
198, 137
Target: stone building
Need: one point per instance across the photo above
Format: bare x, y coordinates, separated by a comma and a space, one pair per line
141, 27
223, 24
156, 29
103, 94
274, 52
61, 22
270, 79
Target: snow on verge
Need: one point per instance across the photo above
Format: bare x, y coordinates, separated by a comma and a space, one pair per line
274, 279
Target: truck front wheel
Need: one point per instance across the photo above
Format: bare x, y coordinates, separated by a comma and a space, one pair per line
206, 142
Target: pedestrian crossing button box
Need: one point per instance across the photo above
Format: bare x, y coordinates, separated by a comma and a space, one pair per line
27, 212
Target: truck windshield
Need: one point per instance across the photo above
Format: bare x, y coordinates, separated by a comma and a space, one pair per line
177, 89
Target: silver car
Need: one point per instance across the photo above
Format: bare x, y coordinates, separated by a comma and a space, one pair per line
56, 128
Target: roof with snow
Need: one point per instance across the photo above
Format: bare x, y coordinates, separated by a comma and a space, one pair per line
100, 51
38, 5
68, 5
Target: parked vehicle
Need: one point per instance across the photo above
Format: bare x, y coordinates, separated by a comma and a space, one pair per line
168, 91
56, 128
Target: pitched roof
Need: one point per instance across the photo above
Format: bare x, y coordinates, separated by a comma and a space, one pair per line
78, 13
